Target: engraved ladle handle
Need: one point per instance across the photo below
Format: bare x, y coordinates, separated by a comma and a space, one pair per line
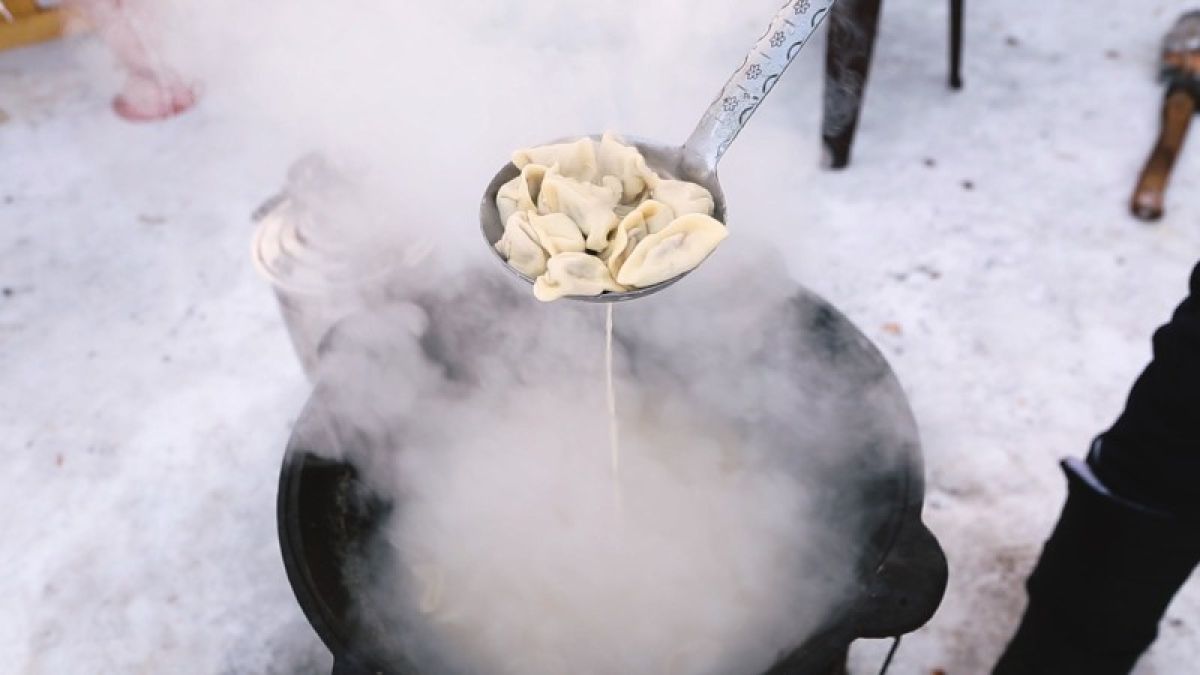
786, 35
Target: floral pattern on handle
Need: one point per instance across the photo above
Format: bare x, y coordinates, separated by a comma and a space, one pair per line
775, 49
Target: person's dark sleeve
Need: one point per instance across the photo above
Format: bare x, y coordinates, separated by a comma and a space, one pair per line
1152, 453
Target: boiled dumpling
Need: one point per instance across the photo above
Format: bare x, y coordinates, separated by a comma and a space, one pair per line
649, 217
512, 198
520, 193
574, 274
430, 582
590, 206
557, 233
520, 247
576, 160
656, 214
679, 247
614, 158
683, 197
588, 217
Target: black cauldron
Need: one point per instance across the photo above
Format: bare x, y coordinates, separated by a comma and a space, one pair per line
328, 514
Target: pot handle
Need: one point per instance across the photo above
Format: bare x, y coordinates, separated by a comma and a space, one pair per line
908, 586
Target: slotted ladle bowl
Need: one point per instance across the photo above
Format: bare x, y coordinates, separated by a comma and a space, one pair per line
696, 160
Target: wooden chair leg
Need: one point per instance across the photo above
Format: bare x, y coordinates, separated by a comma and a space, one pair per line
1178, 110
852, 28
956, 37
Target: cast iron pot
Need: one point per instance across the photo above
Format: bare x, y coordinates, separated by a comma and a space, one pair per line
329, 515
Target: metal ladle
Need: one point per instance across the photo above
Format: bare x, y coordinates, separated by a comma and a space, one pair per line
697, 159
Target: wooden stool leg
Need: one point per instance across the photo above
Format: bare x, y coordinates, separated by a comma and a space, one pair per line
852, 28
956, 37
1178, 109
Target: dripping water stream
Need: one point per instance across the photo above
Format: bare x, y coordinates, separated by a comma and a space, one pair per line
614, 443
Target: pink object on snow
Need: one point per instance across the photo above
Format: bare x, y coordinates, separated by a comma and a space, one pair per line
152, 91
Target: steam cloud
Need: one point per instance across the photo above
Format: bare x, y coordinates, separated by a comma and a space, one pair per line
479, 412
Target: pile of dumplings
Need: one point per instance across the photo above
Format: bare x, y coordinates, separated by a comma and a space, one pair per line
588, 217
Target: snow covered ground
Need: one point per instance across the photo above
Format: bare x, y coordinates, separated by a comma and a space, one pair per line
980, 238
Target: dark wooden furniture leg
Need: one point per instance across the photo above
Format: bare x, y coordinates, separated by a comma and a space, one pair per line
956, 37
852, 28
1178, 109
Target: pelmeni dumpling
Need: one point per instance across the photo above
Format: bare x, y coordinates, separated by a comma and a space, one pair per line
589, 217
520, 247
430, 581
590, 206
650, 216
675, 249
656, 214
576, 160
683, 197
574, 274
520, 193
556, 233
614, 158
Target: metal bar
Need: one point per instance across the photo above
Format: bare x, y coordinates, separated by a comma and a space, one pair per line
956, 43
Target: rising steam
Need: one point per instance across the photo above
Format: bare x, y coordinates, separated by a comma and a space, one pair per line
509, 550
479, 414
